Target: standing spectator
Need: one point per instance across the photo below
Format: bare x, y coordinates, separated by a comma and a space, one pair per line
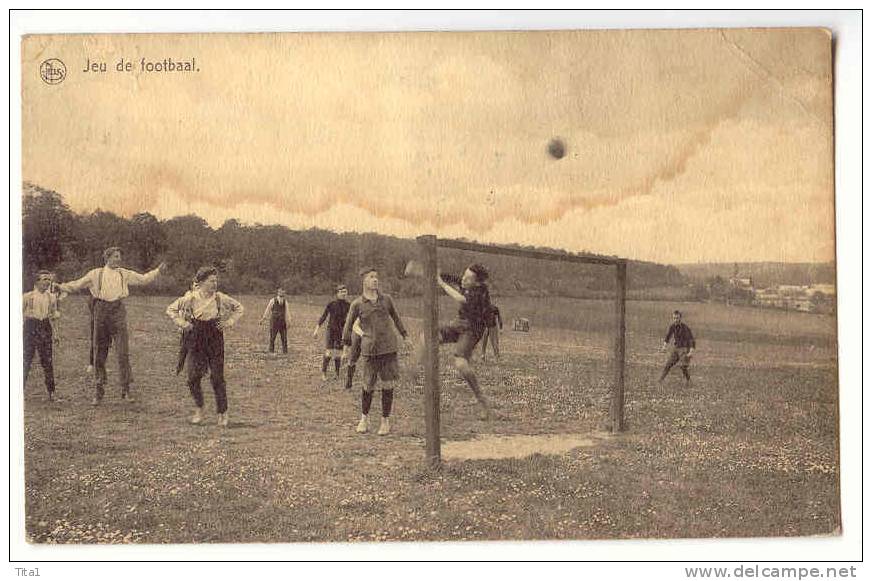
279, 314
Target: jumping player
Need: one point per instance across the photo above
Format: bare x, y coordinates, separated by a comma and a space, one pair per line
205, 313
335, 314
279, 314
378, 346
466, 331
683, 346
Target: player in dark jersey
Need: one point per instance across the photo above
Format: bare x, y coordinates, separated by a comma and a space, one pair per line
334, 313
683, 345
472, 293
492, 332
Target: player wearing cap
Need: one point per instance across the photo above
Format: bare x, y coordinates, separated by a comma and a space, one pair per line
378, 346
40, 311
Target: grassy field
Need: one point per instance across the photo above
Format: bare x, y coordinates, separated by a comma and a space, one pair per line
750, 449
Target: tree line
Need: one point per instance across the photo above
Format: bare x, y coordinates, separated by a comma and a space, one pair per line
256, 258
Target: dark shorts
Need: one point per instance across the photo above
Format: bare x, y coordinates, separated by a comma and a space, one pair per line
384, 367
465, 336
333, 340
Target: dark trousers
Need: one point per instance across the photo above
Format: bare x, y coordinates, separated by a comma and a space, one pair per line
492, 333
206, 352
91, 302
678, 354
38, 338
278, 327
110, 326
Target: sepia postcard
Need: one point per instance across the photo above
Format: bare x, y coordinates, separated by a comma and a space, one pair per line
429, 286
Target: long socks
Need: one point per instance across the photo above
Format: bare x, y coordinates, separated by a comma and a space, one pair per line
365, 402
387, 402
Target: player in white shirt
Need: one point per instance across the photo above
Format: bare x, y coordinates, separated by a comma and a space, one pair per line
109, 286
40, 311
204, 313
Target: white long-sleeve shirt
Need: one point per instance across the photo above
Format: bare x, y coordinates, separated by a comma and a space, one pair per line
196, 306
110, 284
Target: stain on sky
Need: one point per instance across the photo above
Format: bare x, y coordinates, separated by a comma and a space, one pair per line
452, 142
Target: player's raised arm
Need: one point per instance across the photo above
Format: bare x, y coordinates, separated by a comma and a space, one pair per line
136, 279
79, 284
443, 281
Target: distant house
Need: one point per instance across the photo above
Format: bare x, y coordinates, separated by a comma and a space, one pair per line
740, 291
768, 297
807, 299
823, 298
825, 289
742, 283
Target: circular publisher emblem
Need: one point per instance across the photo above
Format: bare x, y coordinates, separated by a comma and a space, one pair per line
53, 71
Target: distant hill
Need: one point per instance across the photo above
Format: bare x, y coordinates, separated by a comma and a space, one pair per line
764, 274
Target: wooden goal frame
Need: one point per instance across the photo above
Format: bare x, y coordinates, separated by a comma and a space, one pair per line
429, 246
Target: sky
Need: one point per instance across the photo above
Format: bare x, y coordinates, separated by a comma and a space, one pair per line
681, 146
